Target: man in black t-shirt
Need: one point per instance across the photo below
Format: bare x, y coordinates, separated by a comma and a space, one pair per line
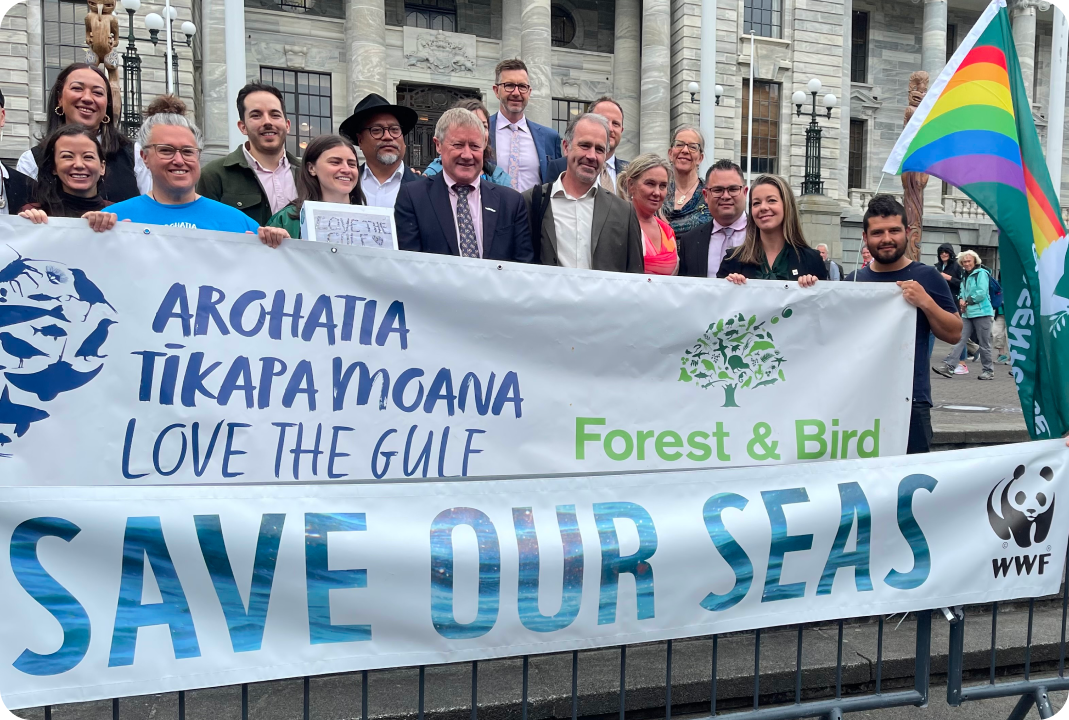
922, 287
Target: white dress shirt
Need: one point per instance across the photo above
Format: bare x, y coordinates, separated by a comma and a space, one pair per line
381, 194
610, 167
719, 245
475, 207
573, 219
4, 209
529, 173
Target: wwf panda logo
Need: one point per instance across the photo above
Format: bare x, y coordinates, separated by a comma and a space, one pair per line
1026, 501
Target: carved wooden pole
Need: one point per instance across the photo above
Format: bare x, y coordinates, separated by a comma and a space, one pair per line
913, 183
101, 39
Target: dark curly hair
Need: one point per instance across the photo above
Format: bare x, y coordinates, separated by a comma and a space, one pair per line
47, 192
111, 137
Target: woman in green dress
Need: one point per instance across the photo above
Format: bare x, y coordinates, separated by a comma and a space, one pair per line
329, 173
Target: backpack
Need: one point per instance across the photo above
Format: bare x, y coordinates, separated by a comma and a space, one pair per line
994, 290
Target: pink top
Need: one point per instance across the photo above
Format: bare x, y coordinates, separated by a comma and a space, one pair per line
475, 206
278, 184
665, 262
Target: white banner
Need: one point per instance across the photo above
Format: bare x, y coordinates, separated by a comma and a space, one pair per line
158, 355
130, 591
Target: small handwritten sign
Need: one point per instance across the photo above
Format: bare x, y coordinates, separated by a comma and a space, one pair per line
348, 225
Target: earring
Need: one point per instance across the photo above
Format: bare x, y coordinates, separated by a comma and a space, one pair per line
106, 120
58, 111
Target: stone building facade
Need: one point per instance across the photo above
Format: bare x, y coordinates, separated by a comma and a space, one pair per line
327, 54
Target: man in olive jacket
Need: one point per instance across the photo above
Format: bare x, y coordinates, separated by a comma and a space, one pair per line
258, 177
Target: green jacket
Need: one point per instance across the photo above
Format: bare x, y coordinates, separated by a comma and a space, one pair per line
232, 182
284, 220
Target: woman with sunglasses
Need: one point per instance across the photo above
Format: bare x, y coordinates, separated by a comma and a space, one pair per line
685, 207
329, 173
82, 96
70, 178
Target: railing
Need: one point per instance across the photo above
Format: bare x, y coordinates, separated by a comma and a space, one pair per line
957, 206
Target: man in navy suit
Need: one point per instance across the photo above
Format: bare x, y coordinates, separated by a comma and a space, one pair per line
456, 212
524, 149
614, 166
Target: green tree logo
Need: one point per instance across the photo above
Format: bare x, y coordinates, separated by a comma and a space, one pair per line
735, 353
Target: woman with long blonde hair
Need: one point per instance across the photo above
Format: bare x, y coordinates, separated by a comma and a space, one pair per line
774, 248
644, 184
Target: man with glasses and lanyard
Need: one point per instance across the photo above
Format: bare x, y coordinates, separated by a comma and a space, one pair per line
523, 148
379, 129
702, 249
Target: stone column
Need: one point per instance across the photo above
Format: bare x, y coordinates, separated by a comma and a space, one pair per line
536, 47
1023, 17
511, 27
842, 173
933, 59
365, 36
656, 81
216, 126
626, 66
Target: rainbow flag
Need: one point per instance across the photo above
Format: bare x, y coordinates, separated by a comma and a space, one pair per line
974, 129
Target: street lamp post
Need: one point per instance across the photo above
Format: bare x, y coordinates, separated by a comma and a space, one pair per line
131, 75
812, 184
694, 88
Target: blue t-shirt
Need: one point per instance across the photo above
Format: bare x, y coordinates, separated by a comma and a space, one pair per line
201, 214
936, 286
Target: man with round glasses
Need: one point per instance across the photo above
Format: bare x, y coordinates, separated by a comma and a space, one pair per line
702, 249
379, 129
524, 149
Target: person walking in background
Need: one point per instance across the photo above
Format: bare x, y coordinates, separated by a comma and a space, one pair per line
491, 172
330, 173
948, 267
258, 177
379, 129
577, 223
685, 207
614, 166
702, 249
645, 184
456, 212
72, 170
974, 302
774, 248
81, 95
884, 233
835, 270
525, 147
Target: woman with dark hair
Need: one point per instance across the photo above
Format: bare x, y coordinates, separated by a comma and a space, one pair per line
81, 95
68, 185
774, 248
491, 172
329, 173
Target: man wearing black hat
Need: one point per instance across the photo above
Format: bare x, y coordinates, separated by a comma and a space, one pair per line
379, 128
14, 186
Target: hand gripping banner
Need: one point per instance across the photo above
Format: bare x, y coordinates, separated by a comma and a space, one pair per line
151, 355
128, 591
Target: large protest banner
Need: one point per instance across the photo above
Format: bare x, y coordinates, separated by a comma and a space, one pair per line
160, 355
126, 591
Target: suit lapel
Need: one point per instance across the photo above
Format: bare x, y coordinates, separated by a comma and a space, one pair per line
543, 163
491, 207
601, 214
439, 195
701, 262
549, 228
492, 121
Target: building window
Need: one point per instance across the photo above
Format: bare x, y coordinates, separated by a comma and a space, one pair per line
859, 48
564, 111
766, 106
314, 8
432, 14
952, 41
64, 37
297, 6
855, 173
562, 26
308, 104
762, 17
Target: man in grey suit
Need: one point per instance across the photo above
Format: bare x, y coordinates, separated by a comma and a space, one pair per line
575, 222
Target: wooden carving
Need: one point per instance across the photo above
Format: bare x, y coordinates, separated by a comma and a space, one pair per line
913, 183
101, 38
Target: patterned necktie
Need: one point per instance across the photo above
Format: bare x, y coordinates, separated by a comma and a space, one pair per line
606, 180
514, 157
469, 245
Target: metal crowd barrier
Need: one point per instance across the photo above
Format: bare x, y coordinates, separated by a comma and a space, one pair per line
1033, 691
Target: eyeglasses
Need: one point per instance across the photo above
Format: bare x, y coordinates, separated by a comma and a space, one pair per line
693, 147
513, 87
378, 131
167, 152
731, 190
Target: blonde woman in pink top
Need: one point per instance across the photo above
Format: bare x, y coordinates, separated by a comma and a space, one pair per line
645, 185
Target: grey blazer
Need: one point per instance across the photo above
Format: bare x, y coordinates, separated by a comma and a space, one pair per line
615, 235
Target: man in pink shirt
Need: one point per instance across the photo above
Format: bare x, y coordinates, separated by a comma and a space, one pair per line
702, 249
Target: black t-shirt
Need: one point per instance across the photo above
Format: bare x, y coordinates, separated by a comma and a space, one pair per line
937, 287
